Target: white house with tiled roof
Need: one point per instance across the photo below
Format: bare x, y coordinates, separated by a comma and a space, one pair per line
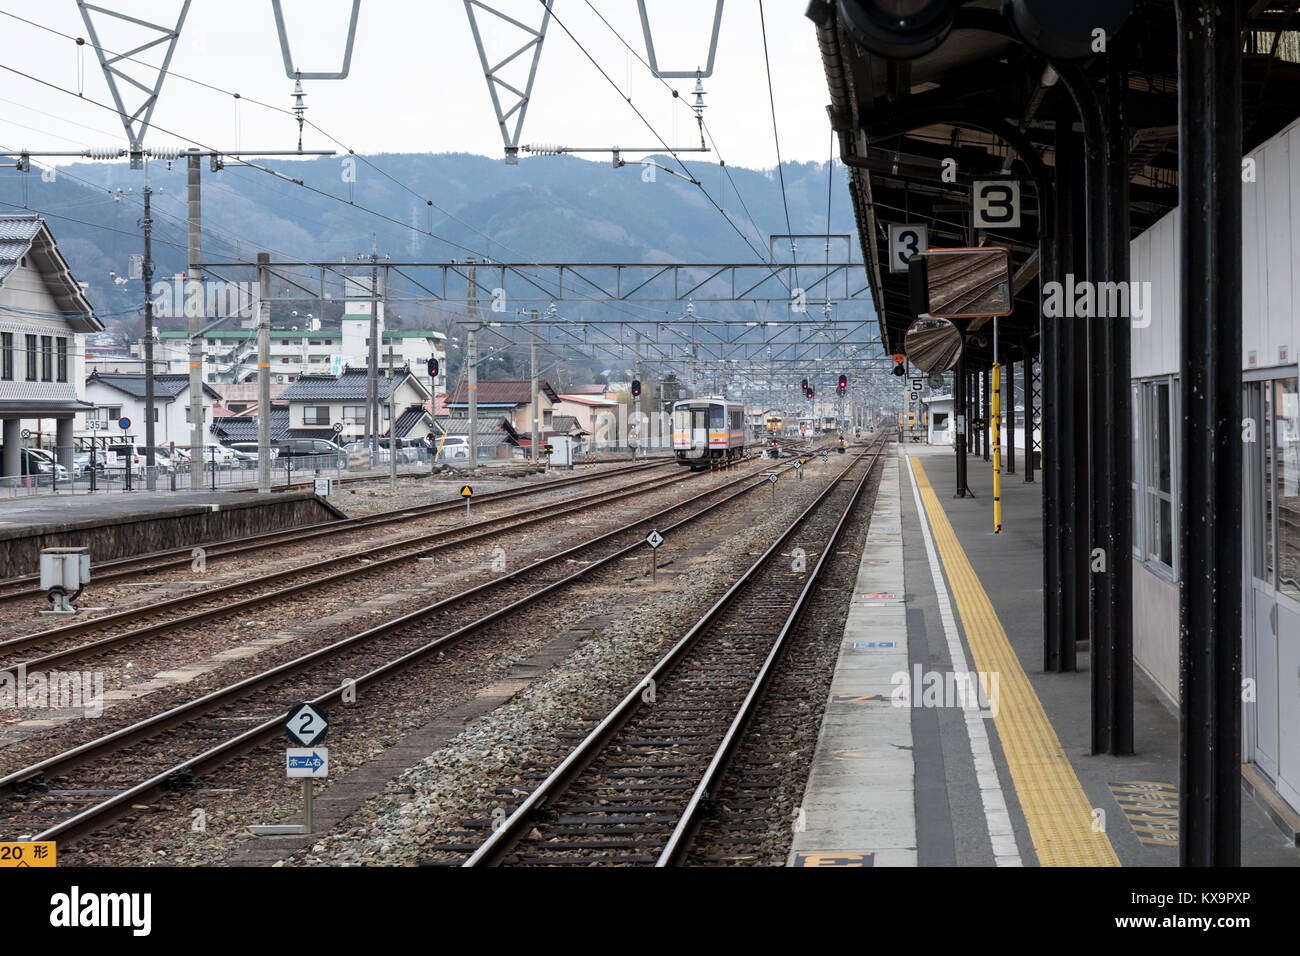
121, 395
44, 317
318, 402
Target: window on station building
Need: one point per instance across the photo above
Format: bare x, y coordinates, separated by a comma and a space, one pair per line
61, 368
31, 357
1155, 513
47, 358
1286, 462
7, 356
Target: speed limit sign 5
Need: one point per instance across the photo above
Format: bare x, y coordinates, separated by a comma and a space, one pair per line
905, 241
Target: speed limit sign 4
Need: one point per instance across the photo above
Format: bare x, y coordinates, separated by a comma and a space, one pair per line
905, 241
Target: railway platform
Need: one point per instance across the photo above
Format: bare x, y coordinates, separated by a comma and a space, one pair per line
120, 524
944, 742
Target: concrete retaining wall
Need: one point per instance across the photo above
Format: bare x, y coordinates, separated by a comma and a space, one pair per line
166, 527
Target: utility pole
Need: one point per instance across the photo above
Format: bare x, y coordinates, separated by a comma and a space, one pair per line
636, 399
535, 445
152, 481
471, 349
263, 373
392, 425
372, 360
194, 287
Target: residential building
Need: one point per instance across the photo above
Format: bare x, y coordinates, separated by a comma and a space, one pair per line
116, 396
598, 416
512, 398
44, 317
230, 355
497, 438
319, 402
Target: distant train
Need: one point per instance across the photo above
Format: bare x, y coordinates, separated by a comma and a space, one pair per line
708, 429
774, 424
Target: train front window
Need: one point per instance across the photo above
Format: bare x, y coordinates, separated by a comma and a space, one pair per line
682, 420
717, 418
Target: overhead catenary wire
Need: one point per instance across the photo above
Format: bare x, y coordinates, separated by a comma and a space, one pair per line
238, 97
776, 135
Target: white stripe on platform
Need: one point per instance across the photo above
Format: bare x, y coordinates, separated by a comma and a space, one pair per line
996, 815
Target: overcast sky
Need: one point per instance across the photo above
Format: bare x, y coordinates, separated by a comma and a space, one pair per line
416, 84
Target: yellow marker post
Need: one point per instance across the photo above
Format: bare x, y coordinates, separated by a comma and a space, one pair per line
997, 448
28, 854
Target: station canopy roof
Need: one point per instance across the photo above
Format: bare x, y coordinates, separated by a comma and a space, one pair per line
983, 99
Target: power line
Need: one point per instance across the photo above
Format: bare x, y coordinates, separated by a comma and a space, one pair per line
641, 116
328, 135
776, 135
668, 86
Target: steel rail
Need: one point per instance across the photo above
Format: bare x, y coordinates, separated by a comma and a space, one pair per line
88, 819
674, 851
458, 537
505, 837
179, 557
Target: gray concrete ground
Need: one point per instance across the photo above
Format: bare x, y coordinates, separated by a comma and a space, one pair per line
1010, 566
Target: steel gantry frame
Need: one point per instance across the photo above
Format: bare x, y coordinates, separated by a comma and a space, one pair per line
503, 283
491, 71
136, 122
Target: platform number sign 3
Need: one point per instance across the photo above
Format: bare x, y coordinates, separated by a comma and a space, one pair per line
905, 241
306, 724
996, 204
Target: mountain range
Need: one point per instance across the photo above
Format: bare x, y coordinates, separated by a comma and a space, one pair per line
549, 208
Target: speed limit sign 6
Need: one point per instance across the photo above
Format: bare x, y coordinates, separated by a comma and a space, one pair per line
905, 241
996, 204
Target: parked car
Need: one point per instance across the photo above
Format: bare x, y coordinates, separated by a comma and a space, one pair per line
247, 450
454, 448
38, 464
81, 464
135, 457
360, 448
220, 454
312, 448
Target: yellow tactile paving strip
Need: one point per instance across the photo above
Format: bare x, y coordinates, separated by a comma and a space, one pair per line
1057, 810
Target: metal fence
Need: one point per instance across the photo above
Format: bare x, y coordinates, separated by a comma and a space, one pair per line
43, 476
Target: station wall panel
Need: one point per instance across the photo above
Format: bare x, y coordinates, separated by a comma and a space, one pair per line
1270, 236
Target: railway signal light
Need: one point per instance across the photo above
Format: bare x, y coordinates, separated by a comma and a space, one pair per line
844, 383
636, 388
804, 385
433, 368
899, 370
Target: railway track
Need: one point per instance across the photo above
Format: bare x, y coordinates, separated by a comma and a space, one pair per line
74, 792
25, 587
633, 790
151, 620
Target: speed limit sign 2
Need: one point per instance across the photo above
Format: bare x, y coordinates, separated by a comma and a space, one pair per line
905, 241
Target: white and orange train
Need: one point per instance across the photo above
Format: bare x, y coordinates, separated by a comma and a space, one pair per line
708, 429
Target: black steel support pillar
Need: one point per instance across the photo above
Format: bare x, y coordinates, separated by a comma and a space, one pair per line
1009, 412
1065, 581
987, 414
1109, 402
1209, 447
1033, 403
960, 428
